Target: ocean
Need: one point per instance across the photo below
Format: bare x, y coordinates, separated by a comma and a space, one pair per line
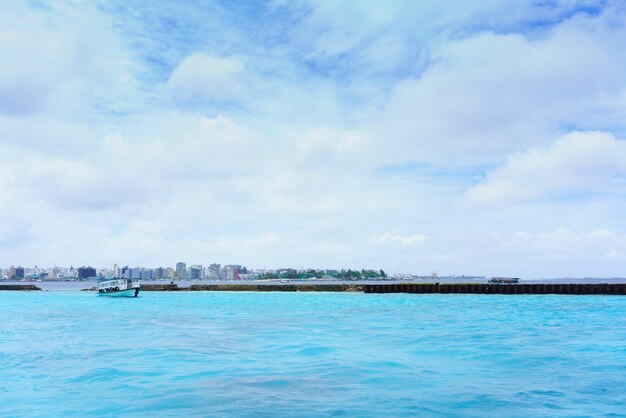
241, 354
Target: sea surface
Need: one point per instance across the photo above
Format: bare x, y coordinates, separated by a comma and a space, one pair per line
231, 354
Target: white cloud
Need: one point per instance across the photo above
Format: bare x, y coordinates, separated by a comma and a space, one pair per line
489, 93
564, 245
581, 162
388, 37
203, 76
402, 239
600, 233
615, 255
64, 58
269, 238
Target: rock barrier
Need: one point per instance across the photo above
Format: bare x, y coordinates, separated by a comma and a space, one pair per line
277, 287
501, 289
160, 287
18, 287
254, 288
421, 288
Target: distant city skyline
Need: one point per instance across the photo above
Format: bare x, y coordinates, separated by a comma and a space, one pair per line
213, 271
480, 137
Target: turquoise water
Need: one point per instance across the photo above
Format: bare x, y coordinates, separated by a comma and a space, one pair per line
311, 354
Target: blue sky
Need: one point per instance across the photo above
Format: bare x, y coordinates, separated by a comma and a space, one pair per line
482, 137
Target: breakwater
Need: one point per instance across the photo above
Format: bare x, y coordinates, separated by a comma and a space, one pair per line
18, 287
417, 288
160, 287
474, 288
501, 289
254, 288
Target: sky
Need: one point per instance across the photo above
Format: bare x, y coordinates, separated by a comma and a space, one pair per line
484, 137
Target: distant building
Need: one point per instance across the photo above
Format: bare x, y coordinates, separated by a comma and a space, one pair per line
16, 272
86, 272
160, 273
196, 272
231, 272
131, 273
181, 270
213, 272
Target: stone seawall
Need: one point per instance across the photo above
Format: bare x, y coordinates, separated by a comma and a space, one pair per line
420, 288
278, 287
476, 288
160, 287
254, 288
18, 287
501, 289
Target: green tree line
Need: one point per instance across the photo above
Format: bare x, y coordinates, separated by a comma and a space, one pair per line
313, 273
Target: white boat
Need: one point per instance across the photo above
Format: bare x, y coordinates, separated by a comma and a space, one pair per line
119, 287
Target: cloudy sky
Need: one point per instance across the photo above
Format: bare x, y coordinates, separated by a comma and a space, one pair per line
484, 137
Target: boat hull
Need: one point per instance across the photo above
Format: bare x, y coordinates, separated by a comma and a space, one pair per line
127, 293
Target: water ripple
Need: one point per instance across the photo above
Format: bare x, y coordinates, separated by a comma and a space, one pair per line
313, 354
